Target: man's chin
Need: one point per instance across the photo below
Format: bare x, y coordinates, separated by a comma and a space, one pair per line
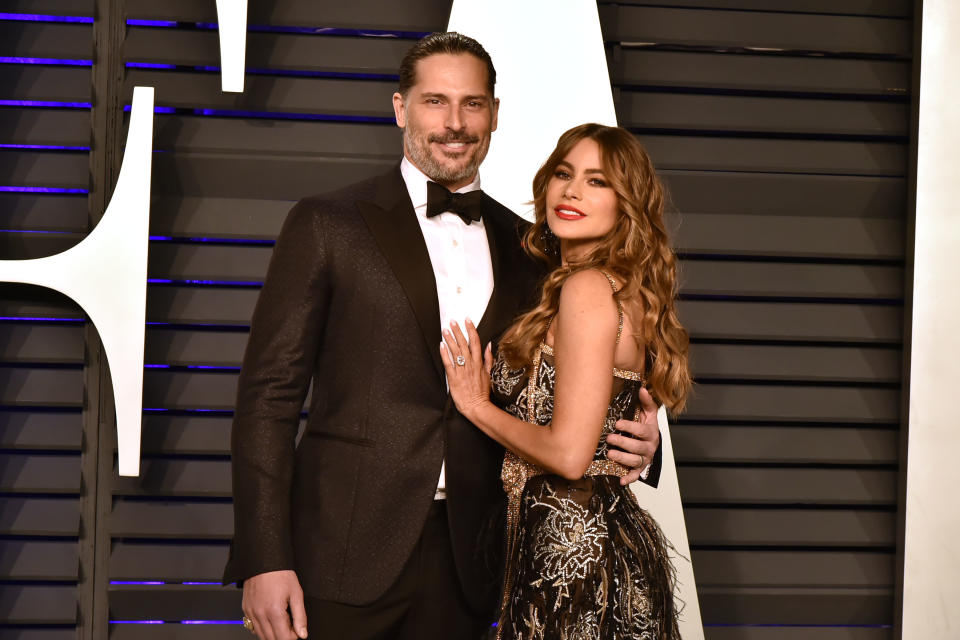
456, 171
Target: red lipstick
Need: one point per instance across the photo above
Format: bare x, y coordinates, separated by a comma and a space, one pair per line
568, 212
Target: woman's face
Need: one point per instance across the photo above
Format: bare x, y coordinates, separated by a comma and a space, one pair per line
582, 207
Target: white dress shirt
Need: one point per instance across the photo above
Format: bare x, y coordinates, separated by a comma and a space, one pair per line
460, 256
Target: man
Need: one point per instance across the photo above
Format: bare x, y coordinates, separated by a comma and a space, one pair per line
351, 532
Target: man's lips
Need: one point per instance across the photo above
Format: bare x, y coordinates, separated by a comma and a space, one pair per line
566, 212
454, 146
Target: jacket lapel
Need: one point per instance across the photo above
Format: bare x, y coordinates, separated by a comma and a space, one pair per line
502, 236
393, 223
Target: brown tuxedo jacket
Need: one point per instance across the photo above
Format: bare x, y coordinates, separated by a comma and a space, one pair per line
350, 303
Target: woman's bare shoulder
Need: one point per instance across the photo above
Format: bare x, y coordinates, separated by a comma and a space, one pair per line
588, 296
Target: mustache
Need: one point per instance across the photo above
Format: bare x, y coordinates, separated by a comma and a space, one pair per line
453, 137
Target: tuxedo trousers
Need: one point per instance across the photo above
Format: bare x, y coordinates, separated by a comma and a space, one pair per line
426, 602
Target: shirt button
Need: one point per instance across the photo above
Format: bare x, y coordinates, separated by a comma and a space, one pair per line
459, 290
455, 243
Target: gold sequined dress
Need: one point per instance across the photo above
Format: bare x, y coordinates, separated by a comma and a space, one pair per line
584, 560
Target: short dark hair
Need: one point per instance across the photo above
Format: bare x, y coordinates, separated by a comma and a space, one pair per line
443, 42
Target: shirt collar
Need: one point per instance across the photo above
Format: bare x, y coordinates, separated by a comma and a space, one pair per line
416, 182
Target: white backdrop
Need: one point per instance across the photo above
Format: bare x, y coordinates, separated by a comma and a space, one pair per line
931, 583
552, 75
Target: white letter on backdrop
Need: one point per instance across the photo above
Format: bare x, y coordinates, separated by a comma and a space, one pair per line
106, 274
232, 26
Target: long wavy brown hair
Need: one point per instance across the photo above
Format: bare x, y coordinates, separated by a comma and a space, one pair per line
637, 252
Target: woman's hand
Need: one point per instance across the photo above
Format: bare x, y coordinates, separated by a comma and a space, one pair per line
468, 368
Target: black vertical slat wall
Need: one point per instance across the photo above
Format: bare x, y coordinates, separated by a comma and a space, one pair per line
782, 135
781, 130
45, 96
315, 115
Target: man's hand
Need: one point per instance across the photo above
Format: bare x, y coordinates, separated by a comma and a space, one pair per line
636, 452
266, 597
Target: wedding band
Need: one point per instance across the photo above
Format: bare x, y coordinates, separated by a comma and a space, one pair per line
248, 624
461, 361
641, 461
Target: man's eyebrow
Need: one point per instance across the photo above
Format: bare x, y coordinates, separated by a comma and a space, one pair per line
434, 94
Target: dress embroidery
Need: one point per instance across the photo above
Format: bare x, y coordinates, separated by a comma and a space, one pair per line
584, 561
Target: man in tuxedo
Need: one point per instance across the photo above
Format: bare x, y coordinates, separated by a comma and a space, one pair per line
382, 522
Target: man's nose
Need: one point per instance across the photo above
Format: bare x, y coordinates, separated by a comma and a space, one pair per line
454, 118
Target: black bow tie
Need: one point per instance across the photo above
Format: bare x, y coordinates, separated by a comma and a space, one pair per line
466, 205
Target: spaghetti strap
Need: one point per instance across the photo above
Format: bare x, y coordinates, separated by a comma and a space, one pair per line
613, 285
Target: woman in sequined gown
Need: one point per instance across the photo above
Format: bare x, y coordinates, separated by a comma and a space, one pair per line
584, 560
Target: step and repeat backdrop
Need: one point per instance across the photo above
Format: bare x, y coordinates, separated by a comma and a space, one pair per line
781, 129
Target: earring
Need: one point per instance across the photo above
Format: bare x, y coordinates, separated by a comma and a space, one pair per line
549, 241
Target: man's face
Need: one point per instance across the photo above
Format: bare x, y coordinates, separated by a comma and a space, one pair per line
447, 118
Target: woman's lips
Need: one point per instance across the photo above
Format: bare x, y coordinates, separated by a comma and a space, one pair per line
566, 212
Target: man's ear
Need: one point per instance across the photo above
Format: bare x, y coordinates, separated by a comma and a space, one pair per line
496, 110
399, 111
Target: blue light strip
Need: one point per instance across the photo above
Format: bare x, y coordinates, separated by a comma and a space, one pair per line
215, 283
55, 104
43, 147
225, 412
50, 61
253, 241
126, 109
154, 583
53, 233
193, 367
149, 65
33, 17
176, 622
151, 23
226, 326
4, 189
38, 319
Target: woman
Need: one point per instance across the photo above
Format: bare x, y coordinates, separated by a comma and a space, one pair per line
584, 560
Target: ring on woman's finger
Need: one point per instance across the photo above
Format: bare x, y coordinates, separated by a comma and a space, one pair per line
461, 361
248, 624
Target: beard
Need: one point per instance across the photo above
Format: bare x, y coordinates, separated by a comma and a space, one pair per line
417, 145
